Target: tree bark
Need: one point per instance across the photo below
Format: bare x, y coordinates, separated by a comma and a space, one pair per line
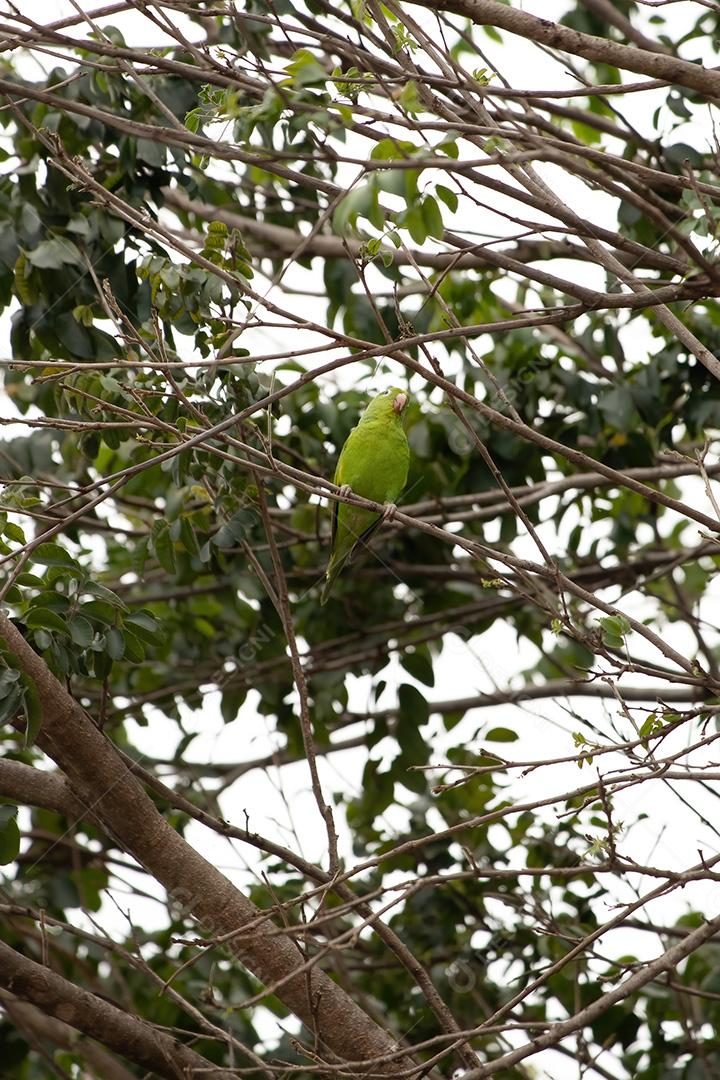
128, 1035
101, 781
545, 32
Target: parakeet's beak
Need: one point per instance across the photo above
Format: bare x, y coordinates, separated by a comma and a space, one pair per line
399, 403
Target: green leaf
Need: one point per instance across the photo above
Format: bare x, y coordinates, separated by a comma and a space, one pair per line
33, 712
419, 665
11, 693
9, 835
432, 217
43, 618
164, 546
650, 726
102, 664
52, 254
151, 151
501, 734
188, 538
448, 197
99, 611
414, 222
193, 120
413, 705
103, 593
305, 69
231, 701
53, 555
135, 650
614, 630
235, 529
586, 133
81, 631
409, 98
144, 625
115, 643
618, 407
393, 149
452, 719
357, 203
13, 532
31, 580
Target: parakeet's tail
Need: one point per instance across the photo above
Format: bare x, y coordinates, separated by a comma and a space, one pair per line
326, 591
337, 564
332, 572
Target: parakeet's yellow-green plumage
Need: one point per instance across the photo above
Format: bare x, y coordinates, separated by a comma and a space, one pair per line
374, 464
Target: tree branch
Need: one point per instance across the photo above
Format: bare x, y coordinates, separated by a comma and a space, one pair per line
132, 1038
545, 32
98, 777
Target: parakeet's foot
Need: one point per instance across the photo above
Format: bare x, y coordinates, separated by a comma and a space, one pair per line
344, 490
388, 513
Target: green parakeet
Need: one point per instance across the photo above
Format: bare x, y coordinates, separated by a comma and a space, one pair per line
374, 464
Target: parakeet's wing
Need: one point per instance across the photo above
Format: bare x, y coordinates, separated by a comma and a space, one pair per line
350, 461
374, 463
381, 484
337, 479
333, 522
363, 538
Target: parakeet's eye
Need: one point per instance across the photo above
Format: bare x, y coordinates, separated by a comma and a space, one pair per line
385, 393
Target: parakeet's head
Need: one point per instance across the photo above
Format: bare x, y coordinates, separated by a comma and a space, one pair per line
388, 404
